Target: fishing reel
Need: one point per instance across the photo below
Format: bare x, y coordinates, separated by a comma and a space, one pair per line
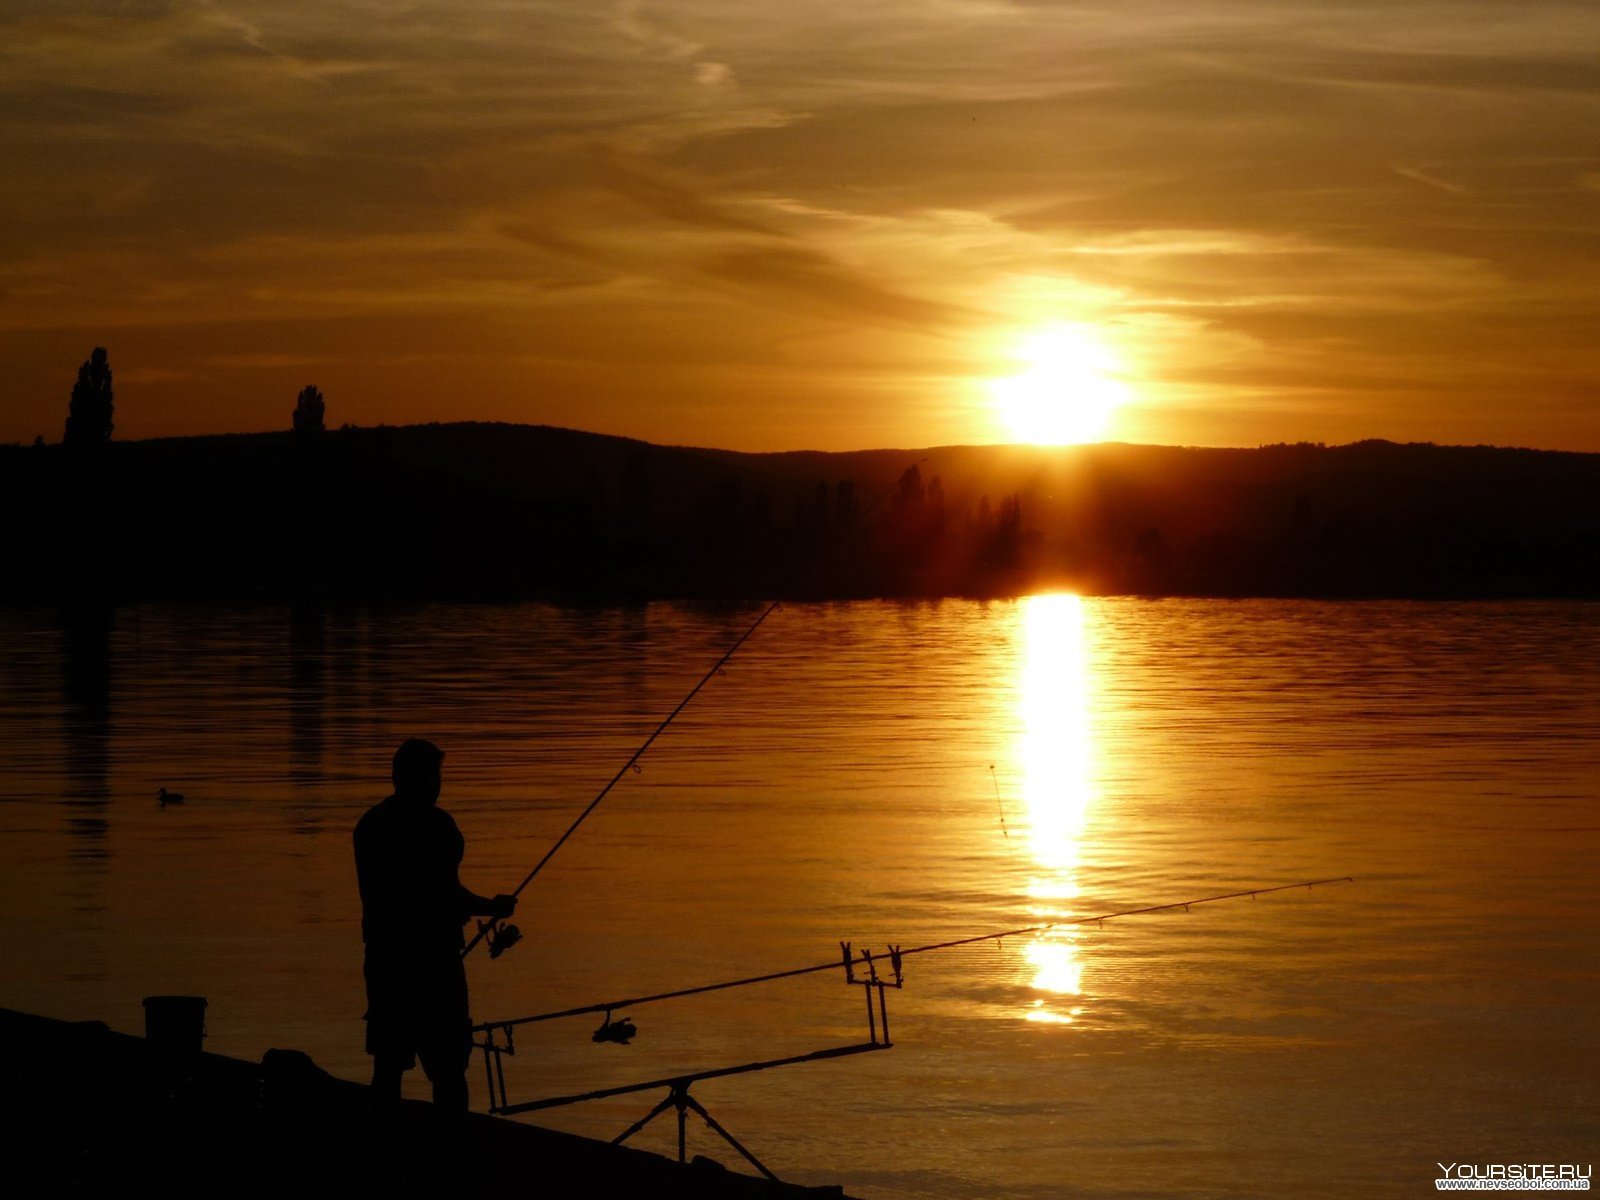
621, 1031
501, 937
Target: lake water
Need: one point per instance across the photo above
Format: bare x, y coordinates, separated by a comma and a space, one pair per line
836, 784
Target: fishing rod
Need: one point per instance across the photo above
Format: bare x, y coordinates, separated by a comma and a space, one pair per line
896, 953
501, 936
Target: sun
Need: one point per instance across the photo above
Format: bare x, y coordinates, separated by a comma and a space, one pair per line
1068, 390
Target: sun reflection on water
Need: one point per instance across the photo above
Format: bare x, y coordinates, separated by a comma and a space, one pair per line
1055, 756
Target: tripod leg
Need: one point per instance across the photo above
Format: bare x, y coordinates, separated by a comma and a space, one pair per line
646, 1119
755, 1162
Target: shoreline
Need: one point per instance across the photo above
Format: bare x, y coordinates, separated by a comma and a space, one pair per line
97, 1110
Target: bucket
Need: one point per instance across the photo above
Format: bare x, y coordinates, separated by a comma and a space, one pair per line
175, 1025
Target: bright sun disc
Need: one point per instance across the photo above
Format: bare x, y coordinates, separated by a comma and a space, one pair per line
1067, 392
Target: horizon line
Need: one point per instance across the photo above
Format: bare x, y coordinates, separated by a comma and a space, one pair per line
952, 446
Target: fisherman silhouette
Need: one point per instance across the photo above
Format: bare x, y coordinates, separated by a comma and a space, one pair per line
408, 852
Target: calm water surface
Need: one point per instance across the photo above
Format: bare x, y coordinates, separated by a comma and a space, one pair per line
837, 784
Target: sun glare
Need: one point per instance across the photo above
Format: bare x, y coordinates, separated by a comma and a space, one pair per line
1069, 389
1057, 755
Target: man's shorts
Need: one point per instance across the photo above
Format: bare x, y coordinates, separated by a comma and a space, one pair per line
417, 1009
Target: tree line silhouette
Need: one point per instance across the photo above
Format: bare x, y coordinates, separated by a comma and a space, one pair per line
484, 511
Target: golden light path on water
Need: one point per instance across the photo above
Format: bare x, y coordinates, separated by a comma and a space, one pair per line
1055, 755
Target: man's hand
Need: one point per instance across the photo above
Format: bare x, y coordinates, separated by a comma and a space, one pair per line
502, 906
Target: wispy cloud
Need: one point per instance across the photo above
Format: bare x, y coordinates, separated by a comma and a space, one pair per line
1283, 205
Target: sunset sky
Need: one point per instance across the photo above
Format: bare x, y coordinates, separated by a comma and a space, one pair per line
821, 224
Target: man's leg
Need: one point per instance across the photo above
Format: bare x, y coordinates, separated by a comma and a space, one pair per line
384, 1095
446, 1036
386, 1073
450, 1092
389, 1037
445, 1062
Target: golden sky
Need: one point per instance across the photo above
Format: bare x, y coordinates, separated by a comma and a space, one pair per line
816, 224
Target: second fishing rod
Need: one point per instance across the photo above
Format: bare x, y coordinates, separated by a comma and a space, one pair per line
866, 959
502, 936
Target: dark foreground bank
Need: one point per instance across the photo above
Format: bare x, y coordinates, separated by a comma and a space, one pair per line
90, 1112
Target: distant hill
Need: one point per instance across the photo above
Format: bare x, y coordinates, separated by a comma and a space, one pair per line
516, 511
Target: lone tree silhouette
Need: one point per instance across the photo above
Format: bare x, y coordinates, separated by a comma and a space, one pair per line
308, 411
89, 414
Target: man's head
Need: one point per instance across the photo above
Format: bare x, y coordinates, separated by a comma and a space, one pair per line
416, 771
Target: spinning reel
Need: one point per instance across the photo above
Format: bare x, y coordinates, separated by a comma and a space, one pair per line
500, 936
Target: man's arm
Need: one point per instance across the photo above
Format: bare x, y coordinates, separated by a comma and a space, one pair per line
468, 902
